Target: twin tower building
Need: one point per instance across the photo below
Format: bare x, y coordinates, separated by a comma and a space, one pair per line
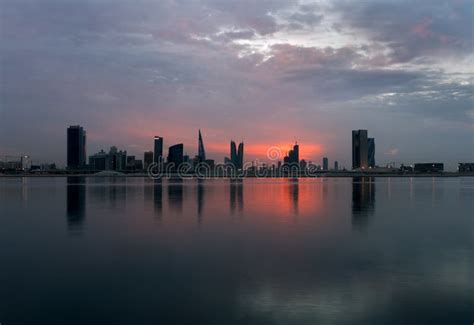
363, 150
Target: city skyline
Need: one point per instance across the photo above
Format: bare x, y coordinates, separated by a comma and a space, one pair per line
265, 72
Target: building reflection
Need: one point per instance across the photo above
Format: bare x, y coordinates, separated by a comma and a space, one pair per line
158, 197
175, 194
363, 201
236, 195
117, 192
294, 194
75, 203
201, 192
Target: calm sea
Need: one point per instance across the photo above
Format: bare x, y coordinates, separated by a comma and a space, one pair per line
77, 250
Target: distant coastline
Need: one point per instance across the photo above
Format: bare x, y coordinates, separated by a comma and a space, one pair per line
195, 176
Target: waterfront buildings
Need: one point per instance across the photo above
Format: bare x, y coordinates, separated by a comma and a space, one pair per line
76, 147
371, 152
113, 160
147, 159
466, 167
236, 155
175, 154
201, 151
325, 163
158, 150
429, 167
360, 151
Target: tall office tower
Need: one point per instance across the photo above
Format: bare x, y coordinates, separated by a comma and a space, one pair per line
76, 147
294, 155
237, 155
158, 150
201, 151
359, 149
240, 156
336, 165
147, 159
233, 154
325, 163
175, 154
371, 152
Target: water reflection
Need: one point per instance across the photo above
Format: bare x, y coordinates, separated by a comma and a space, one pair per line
236, 198
158, 197
76, 203
175, 195
363, 201
294, 192
201, 192
263, 268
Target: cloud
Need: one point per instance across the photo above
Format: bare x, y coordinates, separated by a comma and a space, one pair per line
392, 152
267, 70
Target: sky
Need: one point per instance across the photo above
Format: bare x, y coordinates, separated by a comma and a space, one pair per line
266, 72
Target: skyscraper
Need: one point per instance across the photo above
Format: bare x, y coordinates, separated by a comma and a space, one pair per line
336, 165
294, 155
359, 149
147, 159
325, 163
201, 151
371, 152
237, 155
76, 147
175, 154
240, 156
233, 153
158, 150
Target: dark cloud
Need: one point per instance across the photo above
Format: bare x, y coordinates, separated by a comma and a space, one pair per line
412, 29
342, 84
308, 18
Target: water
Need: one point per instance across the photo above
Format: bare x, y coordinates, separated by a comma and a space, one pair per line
307, 251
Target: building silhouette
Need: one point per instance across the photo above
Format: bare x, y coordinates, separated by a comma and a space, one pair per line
293, 156
465, 167
336, 165
429, 167
147, 159
325, 163
236, 155
113, 160
76, 147
201, 151
360, 149
371, 152
175, 154
158, 150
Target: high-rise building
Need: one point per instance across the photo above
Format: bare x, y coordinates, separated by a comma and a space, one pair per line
359, 149
113, 160
293, 156
175, 154
371, 152
325, 163
158, 150
147, 159
76, 147
201, 151
237, 155
233, 153
336, 165
240, 156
